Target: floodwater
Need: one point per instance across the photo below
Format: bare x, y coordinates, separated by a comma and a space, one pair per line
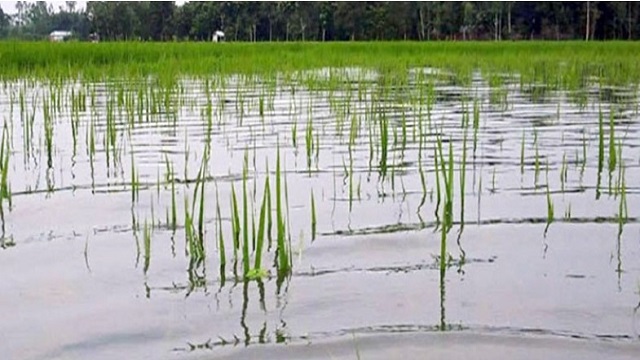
78, 282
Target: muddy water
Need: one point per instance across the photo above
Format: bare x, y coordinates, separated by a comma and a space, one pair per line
73, 256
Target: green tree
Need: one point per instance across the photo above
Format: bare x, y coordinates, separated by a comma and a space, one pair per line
327, 10
350, 20
4, 23
160, 19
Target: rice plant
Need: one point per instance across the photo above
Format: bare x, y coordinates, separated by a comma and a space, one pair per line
5, 189
600, 151
384, 145
283, 258
550, 208
147, 246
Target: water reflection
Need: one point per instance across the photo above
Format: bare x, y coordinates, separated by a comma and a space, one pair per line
370, 159
442, 326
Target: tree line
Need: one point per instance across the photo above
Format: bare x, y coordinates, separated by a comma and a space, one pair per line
327, 21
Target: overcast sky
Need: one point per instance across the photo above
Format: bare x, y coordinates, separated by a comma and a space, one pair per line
9, 7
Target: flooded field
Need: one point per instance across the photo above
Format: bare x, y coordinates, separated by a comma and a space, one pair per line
336, 211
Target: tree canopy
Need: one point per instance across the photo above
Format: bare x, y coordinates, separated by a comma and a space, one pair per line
327, 21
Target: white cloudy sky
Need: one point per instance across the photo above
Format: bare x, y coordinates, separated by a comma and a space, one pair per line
9, 7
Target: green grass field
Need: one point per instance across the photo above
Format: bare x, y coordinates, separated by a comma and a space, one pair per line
565, 64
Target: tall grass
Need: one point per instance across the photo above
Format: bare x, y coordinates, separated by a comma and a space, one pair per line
531, 59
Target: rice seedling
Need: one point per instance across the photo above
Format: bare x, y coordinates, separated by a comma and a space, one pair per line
174, 210
200, 183
317, 149
110, 135
384, 145
294, 134
27, 119
393, 177
353, 132
447, 175
463, 176
612, 146
269, 215
423, 184
476, 122
135, 181
194, 229
147, 246
309, 143
235, 223
437, 175
567, 212
257, 272
283, 262
48, 132
221, 248
465, 115
245, 215
550, 208
447, 218
403, 124
536, 165
563, 172
186, 158
135, 227
287, 218
371, 143
5, 189
623, 212
75, 123
600, 151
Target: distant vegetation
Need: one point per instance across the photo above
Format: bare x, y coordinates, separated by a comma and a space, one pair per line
319, 21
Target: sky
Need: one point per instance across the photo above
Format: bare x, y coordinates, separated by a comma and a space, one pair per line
9, 7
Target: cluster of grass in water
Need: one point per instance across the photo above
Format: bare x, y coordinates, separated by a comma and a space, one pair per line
144, 85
